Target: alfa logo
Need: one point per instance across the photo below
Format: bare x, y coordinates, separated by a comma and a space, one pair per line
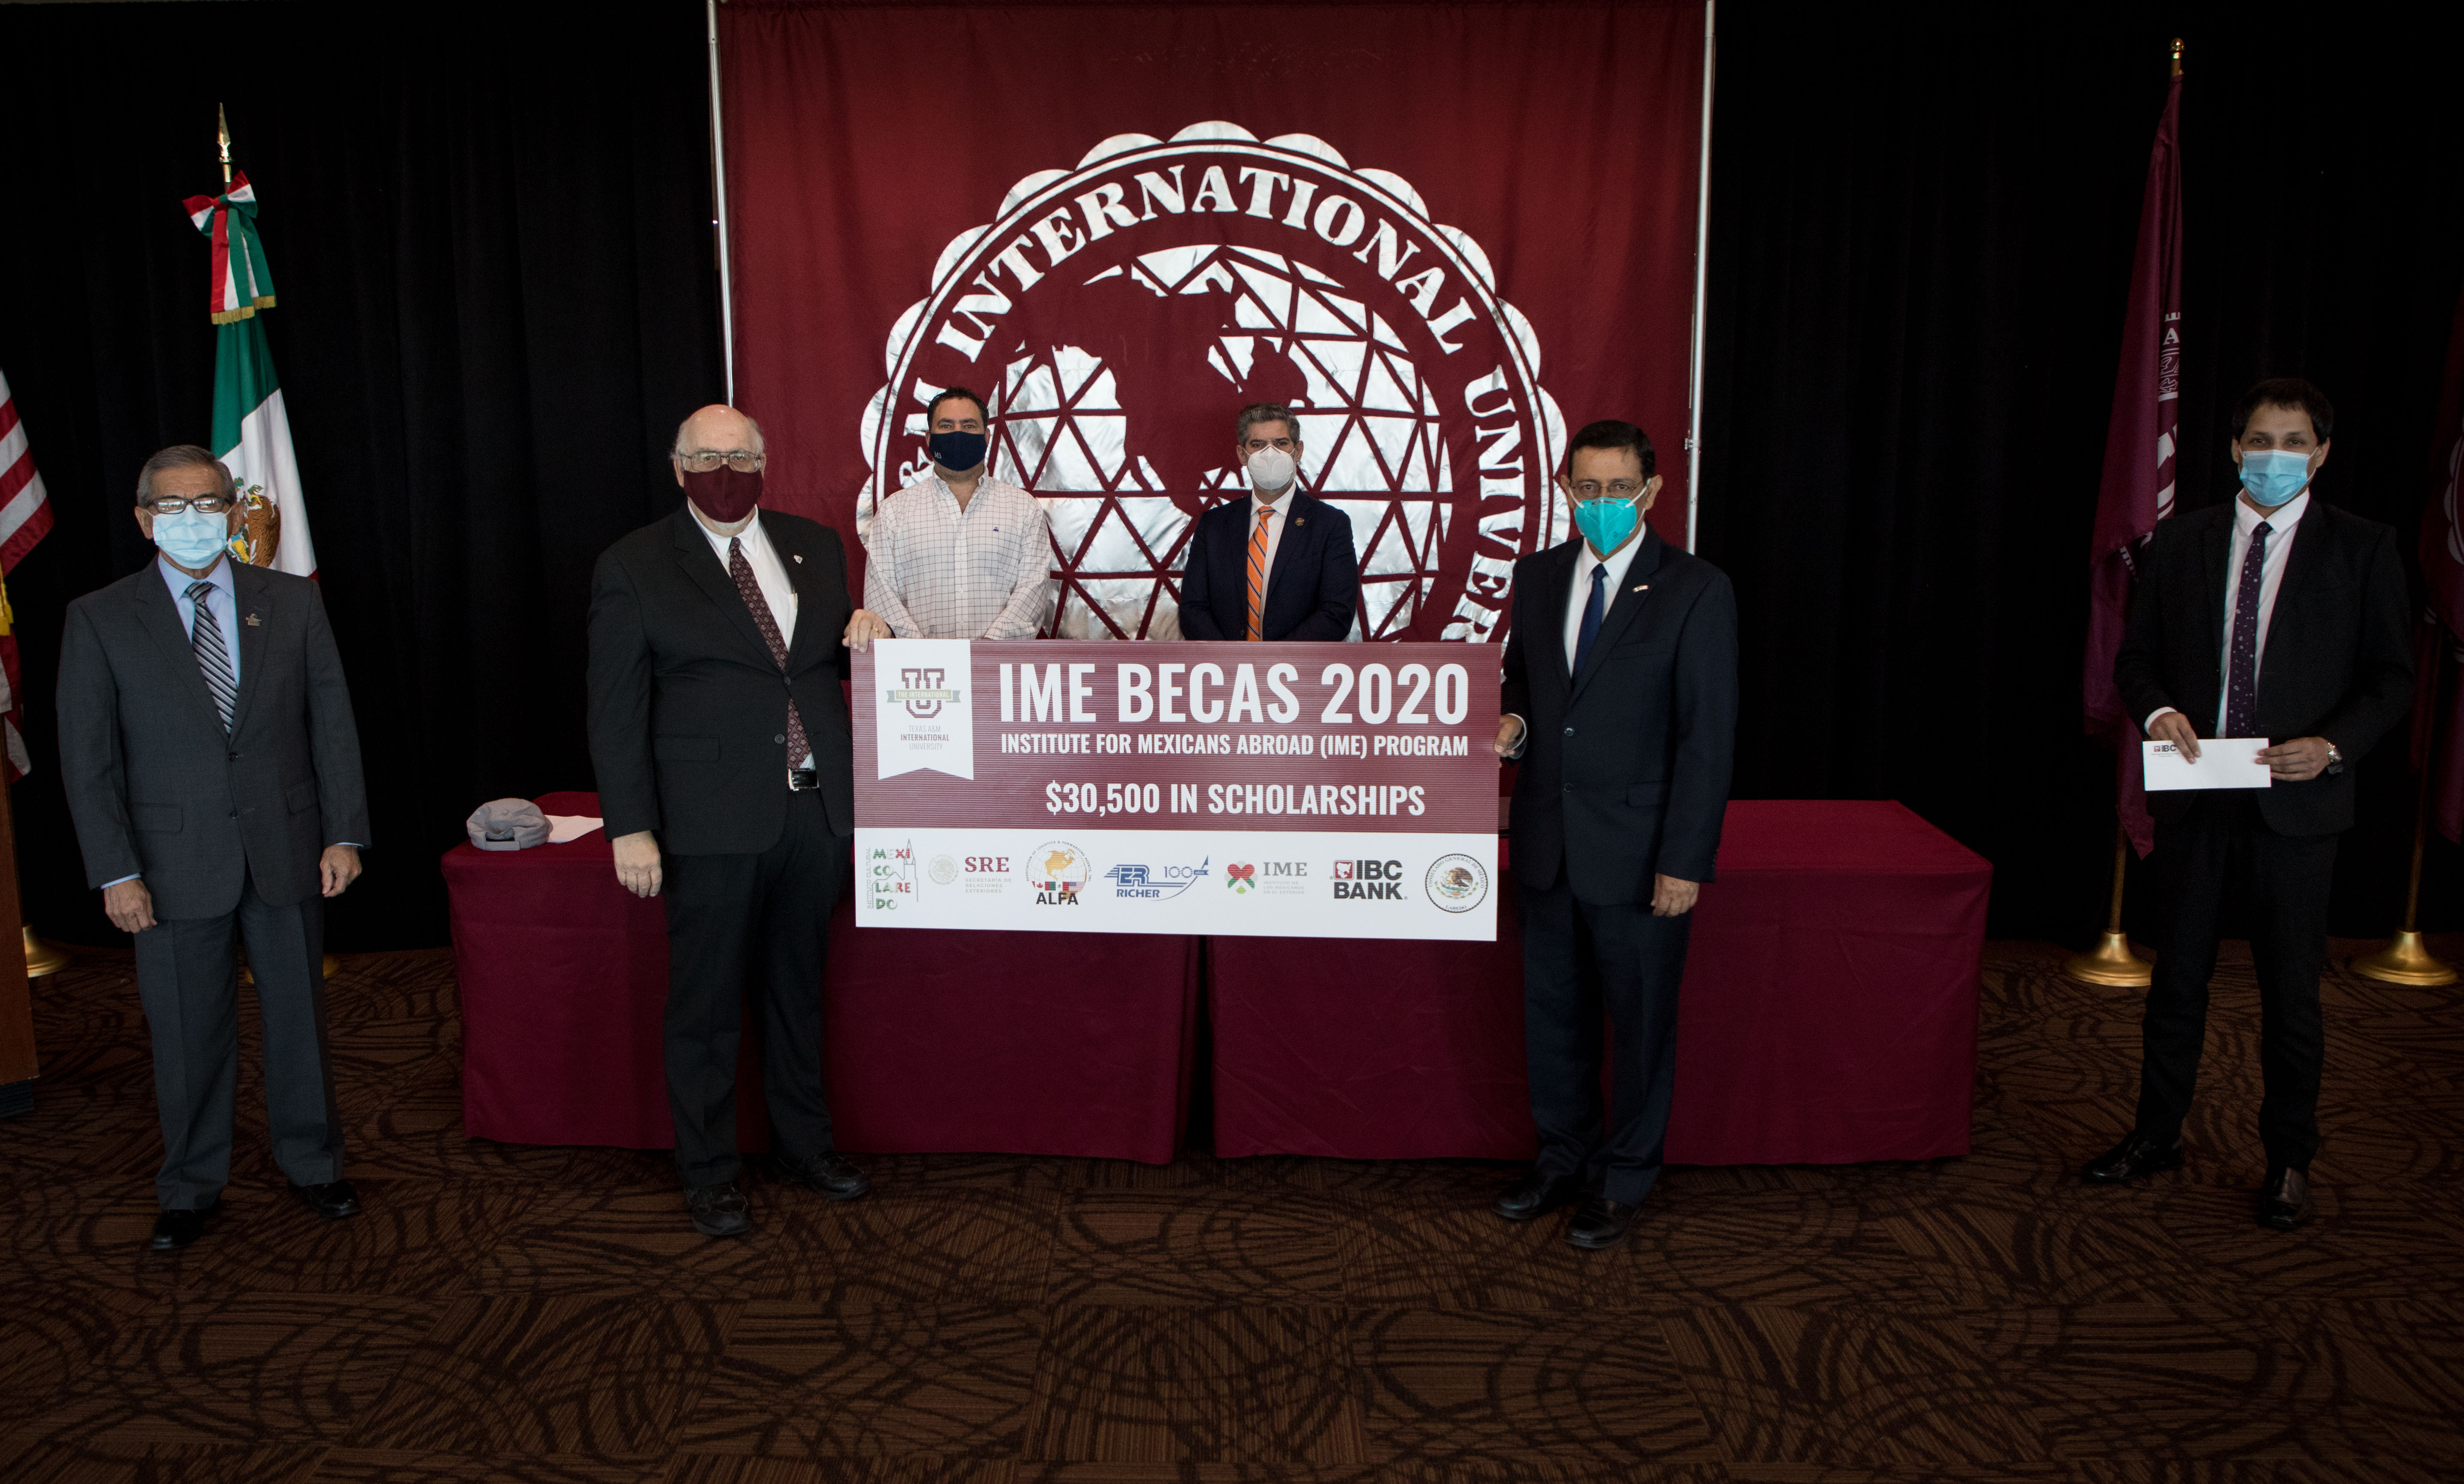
1242, 879
1119, 311
923, 694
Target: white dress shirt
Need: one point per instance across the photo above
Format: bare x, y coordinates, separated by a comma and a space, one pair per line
2281, 523
1618, 562
770, 575
939, 572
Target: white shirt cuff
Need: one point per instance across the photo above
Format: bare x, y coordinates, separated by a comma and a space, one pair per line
107, 886
2149, 725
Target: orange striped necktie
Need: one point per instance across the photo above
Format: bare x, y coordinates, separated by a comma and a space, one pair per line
1258, 574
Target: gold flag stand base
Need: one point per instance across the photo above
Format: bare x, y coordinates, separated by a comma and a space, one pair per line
2405, 961
333, 965
2112, 964
43, 958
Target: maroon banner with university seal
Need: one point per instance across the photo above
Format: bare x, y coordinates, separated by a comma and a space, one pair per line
1445, 235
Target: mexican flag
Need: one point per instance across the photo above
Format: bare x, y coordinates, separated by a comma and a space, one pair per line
251, 432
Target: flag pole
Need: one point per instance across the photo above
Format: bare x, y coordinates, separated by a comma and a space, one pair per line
222, 134
2407, 959
2111, 963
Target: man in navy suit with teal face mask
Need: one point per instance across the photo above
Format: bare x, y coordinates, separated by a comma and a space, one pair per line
1620, 703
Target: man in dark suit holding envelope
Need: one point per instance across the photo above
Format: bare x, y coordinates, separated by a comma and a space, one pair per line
2276, 617
1621, 701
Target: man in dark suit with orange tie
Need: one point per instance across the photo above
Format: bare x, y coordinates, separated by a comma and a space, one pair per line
2282, 617
1279, 564
1621, 701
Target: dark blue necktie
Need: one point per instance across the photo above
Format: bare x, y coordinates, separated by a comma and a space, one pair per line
2241, 664
1594, 608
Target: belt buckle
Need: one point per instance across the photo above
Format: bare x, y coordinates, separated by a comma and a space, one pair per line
796, 773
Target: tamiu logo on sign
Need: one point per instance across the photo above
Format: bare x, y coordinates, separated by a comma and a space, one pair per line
1119, 311
922, 718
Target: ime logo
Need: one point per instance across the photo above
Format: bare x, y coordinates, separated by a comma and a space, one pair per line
1369, 880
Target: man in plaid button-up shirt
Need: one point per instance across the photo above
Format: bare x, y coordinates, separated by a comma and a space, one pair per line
957, 554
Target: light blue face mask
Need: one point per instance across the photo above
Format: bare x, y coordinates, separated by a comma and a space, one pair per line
192, 538
2275, 475
1607, 523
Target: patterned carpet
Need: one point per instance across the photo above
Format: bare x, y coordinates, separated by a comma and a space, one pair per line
529, 1314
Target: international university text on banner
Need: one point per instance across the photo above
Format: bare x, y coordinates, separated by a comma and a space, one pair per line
1338, 790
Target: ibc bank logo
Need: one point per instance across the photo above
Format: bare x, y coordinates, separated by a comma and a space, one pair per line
1100, 302
1369, 880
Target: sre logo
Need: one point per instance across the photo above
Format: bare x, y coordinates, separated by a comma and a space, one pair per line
978, 865
1369, 880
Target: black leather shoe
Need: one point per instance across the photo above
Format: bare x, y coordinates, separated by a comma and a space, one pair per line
719, 1210
2285, 1202
831, 1175
2135, 1158
174, 1229
1600, 1223
333, 1200
1536, 1194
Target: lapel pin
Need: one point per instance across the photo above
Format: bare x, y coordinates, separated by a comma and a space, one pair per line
1299, 520
1643, 587
251, 620
800, 558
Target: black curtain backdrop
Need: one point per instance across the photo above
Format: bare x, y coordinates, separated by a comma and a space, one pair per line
491, 231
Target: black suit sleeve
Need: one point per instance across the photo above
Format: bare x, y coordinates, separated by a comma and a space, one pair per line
846, 655
1339, 583
619, 703
1196, 619
2381, 689
1514, 698
2139, 664
334, 734
91, 769
1705, 730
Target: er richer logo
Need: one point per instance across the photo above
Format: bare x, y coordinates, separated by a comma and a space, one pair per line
1369, 880
890, 876
1154, 884
1057, 871
1102, 302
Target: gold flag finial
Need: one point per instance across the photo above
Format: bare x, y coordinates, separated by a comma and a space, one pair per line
2177, 57
222, 122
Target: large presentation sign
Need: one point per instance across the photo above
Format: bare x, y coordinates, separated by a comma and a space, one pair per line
1341, 791
1444, 235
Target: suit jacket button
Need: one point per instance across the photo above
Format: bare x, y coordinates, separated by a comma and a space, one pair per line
780, 739
1570, 788
234, 814
1570, 731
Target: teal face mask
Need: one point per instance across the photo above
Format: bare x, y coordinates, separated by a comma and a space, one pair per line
191, 538
2275, 475
1607, 523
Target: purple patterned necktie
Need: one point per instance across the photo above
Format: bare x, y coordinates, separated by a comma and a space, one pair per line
2241, 664
750, 591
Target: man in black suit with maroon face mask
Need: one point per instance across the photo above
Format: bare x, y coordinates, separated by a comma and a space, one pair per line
718, 647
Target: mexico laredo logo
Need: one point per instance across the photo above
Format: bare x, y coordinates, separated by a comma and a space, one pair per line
1118, 315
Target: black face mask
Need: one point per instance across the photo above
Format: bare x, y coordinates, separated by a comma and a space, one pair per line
956, 452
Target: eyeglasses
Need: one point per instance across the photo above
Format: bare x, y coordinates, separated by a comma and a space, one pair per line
203, 505
702, 461
1614, 489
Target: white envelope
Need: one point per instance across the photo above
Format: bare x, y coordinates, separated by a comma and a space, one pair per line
2224, 763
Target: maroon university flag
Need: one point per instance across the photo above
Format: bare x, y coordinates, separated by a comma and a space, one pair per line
2438, 731
2137, 491
1441, 234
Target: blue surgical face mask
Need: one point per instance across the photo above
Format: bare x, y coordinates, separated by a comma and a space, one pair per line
2275, 475
192, 538
1607, 523
958, 452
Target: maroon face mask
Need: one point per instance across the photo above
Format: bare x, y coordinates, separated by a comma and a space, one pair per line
725, 494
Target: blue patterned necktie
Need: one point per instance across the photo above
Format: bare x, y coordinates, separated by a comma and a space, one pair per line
1595, 608
2241, 664
213, 658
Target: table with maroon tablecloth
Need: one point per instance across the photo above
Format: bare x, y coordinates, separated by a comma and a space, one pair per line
1828, 1014
1004, 1042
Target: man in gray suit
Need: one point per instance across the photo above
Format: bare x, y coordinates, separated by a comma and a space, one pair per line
213, 770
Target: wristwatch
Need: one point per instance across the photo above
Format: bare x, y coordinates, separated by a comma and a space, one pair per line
2335, 759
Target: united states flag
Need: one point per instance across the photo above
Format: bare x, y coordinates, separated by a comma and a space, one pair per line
25, 517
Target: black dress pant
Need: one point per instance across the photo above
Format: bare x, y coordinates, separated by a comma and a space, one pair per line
189, 982
2223, 852
1581, 958
752, 927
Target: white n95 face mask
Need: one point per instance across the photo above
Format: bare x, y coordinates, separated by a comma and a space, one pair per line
1270, 469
